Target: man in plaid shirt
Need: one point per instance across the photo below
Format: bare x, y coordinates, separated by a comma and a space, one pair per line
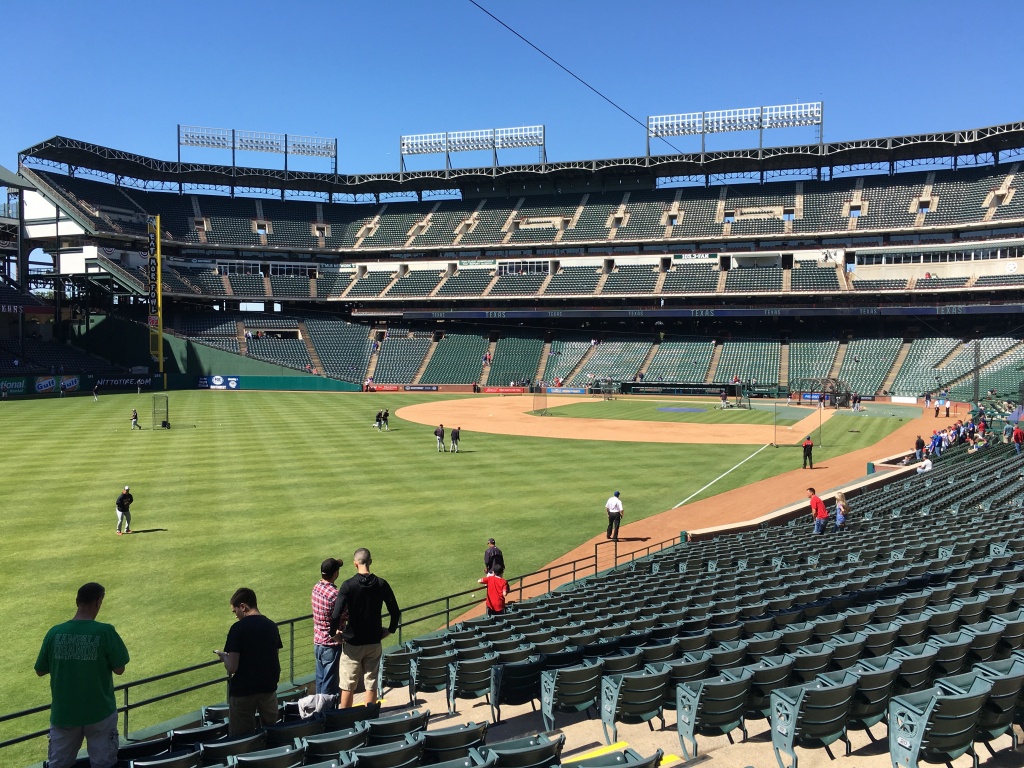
327, 647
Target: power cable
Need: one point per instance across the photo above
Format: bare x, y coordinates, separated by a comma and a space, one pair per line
572, 74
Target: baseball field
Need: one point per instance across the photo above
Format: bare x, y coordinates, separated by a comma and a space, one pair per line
255, 489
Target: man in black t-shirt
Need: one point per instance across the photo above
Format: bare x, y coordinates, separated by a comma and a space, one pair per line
123, 509
493, 557
250, 656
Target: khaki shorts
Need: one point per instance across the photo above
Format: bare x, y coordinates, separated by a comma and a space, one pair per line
359, 661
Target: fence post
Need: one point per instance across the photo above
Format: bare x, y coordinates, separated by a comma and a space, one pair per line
125, 726
291, 652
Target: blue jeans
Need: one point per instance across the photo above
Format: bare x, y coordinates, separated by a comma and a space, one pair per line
327, 658
819, 524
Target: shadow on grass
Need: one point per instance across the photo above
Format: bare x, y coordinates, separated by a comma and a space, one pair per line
147, 530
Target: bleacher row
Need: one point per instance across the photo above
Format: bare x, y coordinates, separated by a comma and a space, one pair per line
897, 623
626, 279
803, 208
345, 350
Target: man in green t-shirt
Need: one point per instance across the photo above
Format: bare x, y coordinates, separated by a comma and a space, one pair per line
79, 656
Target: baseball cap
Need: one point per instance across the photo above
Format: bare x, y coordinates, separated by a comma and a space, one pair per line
126, 487
616, 493
329, 566
490, 541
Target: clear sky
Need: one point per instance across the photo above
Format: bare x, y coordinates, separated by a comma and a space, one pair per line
124, 73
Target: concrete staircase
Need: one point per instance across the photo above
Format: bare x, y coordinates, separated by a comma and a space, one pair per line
784, 364
896, 365
313, 356
485, 374
544, 354
716, 355
243, 346
838, 362
649, 357
579, 367
425, 363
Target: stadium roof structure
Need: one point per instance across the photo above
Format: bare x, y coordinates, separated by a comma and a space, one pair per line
12, 180
895, 151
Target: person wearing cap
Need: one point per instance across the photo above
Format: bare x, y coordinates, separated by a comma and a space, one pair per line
614, 509
492, 557
123, 508
808, 456
439, 434
135, 419
326, 647
455, 437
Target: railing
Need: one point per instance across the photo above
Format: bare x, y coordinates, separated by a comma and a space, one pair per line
297, 637
8, 210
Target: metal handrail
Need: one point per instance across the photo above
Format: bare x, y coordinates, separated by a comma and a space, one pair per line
440, 612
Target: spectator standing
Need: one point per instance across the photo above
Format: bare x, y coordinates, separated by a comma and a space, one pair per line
808, 452
919, 448
326, 647
497, 590
842, 512
492, 557
819, 511
122, 506
250, 657
362, 597
615, 512
81, 656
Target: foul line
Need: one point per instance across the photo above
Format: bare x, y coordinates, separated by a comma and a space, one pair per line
695, 493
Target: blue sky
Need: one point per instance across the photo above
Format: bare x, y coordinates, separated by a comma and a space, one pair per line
124, 73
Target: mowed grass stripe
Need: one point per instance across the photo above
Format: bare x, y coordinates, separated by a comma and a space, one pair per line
268, 484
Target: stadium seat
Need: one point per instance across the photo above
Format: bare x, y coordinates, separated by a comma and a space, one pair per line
540, 751
404, 753
569, 689
633, 698
278, 757
393, 728
443, 745
330, 743
515, 683
712, 707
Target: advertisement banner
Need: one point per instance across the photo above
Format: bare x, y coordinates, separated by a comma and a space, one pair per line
899, 399
45, 384
13, 386
69, 383
815, 397
220, 382
504, 390
124, 382
566, 391
420, 388
382, 388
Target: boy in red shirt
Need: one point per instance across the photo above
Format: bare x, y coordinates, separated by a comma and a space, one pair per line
497, 589
819, 510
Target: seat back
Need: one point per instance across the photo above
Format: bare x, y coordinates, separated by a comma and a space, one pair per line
935, 726
190, 737
285, 756
876, 680
398, 754
916, 665
189, 759
638, 696
218, 751
387, 730
713, 706
444, 744
431, 671
767, 675
539, 751
329, 744
1007, 679
515, 683
285, 734
622, 662
810, 661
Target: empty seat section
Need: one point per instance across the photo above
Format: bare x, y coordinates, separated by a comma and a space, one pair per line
880, 284
288, 352
867, 363
574, 280
919, 374
247, 285
808, 276
753, 280
691, 278
370, 284
593, 223
541, 219
564, 355
632, 278
343, 348
395, 225
292, 223
810, 359
458, 359
415, 282
399, 359
346, 221
232, 220
517, 285
466, 282
287, 286
680, 361
515, 358
441, 225
616, 360
750, 360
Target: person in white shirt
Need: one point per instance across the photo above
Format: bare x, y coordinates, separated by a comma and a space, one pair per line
926, 466
614, 509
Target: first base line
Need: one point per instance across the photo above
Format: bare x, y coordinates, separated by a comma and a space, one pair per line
695, 493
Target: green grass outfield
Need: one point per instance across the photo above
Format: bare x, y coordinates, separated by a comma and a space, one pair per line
267, 484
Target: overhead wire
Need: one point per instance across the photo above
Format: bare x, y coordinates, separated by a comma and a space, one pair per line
572, 74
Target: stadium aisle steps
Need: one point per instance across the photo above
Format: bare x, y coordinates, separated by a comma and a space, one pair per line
425, 363
716, 357
838, 362
486, 373
304, 333
650, 356
896, 365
